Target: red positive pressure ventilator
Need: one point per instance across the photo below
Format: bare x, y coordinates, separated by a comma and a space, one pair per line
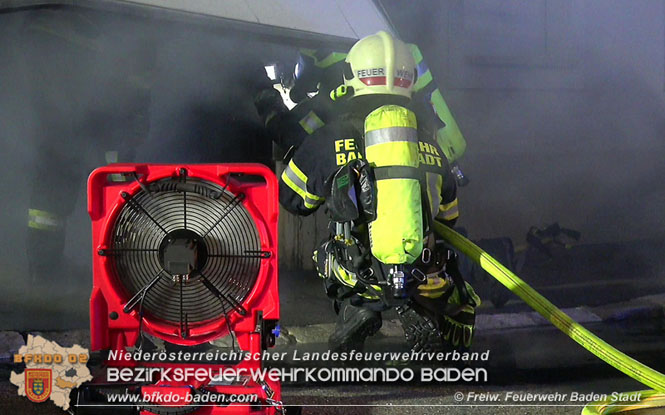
186, 254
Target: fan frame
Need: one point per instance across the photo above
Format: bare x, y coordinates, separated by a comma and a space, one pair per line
113, 329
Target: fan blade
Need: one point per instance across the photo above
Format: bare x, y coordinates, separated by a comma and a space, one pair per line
137, 206
233, 203
141, 293
184, 325
234, 304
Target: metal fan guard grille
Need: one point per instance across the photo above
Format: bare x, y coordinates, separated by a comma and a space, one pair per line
232, 245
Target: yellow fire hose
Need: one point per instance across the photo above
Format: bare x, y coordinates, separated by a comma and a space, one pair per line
591, 342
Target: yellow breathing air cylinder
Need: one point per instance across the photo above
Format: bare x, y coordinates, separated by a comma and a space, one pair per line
391, 147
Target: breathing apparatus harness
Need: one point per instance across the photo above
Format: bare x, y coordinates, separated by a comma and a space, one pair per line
385, 191
353, 207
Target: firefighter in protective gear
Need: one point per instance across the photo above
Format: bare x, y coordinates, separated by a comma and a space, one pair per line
316, 70
320, 71
59, 96
73, 105
439, 310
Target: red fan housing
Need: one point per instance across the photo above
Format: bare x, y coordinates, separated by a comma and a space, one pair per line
184, 253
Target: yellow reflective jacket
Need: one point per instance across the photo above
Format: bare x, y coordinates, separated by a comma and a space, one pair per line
303, 182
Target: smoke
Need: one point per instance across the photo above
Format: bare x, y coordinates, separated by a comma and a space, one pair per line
562, 106
80, 85
563, 110
561, 103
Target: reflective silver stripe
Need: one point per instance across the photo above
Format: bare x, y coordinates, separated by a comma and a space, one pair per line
311, 203
44, 221
397, 172
295, 179
391, 135
449, 211
311, 122
40, 219
450, 214
310, 199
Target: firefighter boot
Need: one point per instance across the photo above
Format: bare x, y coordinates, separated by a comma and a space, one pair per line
420, 329
354, 325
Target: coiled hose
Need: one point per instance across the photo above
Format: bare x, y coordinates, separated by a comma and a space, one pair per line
574, 330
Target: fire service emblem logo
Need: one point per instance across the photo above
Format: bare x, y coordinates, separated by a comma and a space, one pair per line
38, 384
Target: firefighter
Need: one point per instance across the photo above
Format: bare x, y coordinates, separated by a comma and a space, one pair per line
316, 70
371, 214
319, 70
75, 108
57, 42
